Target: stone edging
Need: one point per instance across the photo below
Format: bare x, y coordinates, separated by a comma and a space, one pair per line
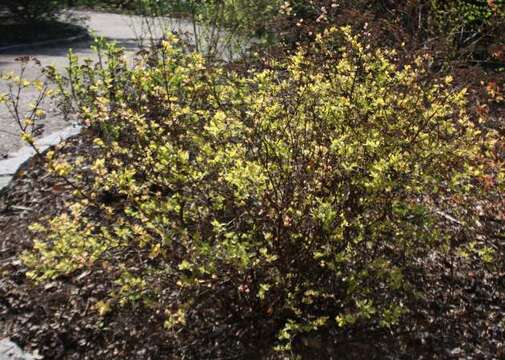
10, 166
10, 350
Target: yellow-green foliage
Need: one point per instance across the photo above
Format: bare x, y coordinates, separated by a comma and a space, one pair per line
310, 187
69, 244
466, 15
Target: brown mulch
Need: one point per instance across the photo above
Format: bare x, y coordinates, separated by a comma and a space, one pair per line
462, 314
57, 318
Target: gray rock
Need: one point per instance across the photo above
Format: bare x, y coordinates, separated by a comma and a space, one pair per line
10, 351
10, 165
4, 181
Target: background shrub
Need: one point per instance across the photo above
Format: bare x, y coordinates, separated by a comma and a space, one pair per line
30, 11
220, 28
461, 31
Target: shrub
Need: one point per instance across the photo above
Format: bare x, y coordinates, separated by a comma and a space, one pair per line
300, 196
219, 28
33, 10
454, 31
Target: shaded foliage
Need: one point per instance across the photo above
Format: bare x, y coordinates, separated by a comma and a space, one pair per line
453, 31
30, 11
